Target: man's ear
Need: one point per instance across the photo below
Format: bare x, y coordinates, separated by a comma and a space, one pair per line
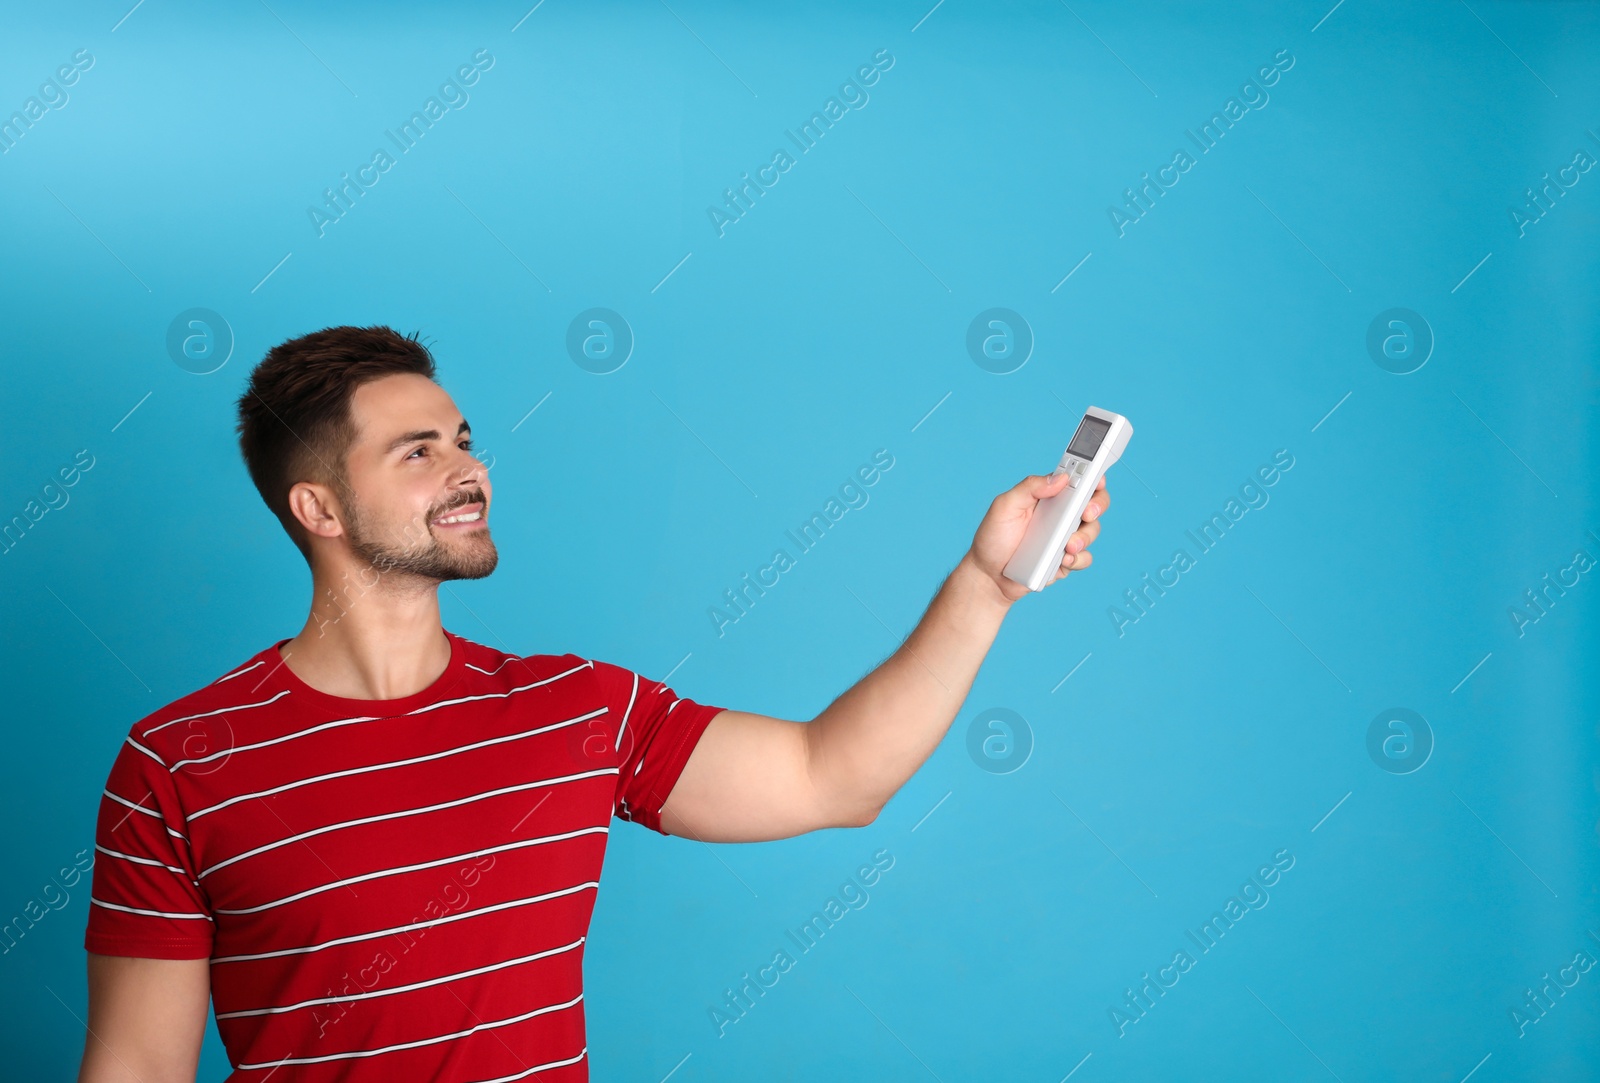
317, 509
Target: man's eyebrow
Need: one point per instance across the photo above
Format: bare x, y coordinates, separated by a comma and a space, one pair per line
422, 434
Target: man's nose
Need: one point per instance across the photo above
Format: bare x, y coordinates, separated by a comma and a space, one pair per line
471, 470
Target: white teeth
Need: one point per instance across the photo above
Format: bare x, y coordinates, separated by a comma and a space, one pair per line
470, 517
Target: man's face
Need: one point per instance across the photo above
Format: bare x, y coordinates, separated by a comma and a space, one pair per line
411, 467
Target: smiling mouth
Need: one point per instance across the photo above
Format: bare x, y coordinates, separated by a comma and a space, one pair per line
466, 516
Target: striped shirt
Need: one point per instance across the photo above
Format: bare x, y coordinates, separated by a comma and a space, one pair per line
387, 889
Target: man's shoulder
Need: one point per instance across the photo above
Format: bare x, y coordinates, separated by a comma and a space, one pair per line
575, 681
482, 662
243, 685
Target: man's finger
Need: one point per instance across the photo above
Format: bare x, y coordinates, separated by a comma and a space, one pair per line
1072, 564
1033, 488
1099, 503
1083, 537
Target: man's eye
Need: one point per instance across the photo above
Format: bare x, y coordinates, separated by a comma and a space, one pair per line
465, 445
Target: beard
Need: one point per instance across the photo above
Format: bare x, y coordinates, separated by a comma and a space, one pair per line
470, 556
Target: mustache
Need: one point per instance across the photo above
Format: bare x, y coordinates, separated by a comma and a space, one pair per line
474, 497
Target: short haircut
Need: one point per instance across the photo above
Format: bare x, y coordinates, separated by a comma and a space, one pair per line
294, 418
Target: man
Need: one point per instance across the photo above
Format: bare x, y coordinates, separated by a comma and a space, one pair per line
376, 846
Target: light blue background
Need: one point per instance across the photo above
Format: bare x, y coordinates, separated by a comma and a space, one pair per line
826, 324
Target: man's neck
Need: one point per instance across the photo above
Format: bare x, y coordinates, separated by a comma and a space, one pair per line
384, 644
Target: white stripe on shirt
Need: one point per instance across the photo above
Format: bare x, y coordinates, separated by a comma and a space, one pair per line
508, 659
398, 869
405, 812
151, 913
130, 804
404, 988
143, 861
429, 924
632, 695
236, 672
640, 765
207, 714
392, 763
148, 812
145, 750
539, 1068
224, 753
497, 695
354, 1054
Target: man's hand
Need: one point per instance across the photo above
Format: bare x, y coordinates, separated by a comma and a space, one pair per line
754, 777
1001, 531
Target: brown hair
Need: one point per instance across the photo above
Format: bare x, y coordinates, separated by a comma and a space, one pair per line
294, 418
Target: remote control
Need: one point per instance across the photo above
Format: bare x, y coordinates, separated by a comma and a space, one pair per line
1097, 444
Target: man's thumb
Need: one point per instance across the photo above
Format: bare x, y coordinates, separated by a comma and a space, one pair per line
1048, 484
1034, 488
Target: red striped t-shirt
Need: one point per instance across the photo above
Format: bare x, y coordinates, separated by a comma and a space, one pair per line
387, 889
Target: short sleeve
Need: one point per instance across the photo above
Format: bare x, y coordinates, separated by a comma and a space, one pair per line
146, 900
657, 732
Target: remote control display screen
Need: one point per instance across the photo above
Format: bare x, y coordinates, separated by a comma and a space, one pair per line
1091, 434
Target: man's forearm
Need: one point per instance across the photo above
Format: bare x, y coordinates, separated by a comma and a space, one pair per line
870, 740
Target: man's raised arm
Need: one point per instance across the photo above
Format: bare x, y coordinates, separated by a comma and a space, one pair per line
752, 777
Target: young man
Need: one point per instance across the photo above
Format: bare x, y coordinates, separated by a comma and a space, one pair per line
376, 846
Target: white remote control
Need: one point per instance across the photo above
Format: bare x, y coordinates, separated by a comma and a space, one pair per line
1097, 444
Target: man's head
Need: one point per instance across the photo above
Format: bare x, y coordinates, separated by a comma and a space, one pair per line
360, 453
